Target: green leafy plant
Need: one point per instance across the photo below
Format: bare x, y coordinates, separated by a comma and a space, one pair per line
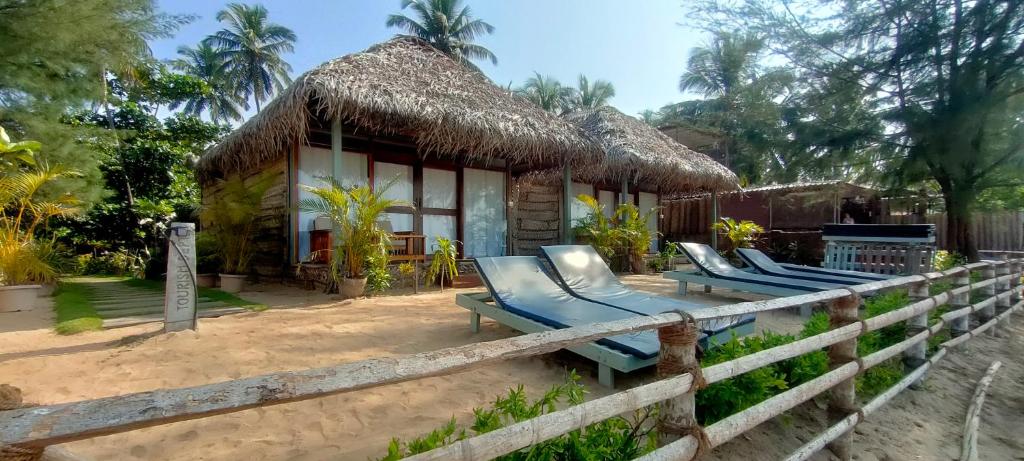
23, 213
616, 438
378, 277
13, 154
443, 264
634, 234
232, 218
667, 256
356, 213
948, 260
597, 229
741, 234
208, 258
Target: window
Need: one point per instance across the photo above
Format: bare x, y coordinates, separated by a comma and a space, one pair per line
316, 163
483, 213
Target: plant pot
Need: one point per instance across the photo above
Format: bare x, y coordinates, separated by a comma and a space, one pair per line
18, 297
206, 280
352, 288
47, 289
231, 283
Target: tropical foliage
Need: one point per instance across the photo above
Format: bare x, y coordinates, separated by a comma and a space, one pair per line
741, 234
448, 26
616, 438
210, 66
591, 95
232, 218
25, 212
356, 213
548, 93
625, 235
443, 266
251, 47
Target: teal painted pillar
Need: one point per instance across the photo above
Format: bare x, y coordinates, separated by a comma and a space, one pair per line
714, 219
336, 165
625, 191
567, 236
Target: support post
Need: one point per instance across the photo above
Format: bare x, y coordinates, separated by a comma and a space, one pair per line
987, 313
567, 236
1002, 287
714, 219
915, 356
961, 325
843, 397
1015, 269
336, 166
625, 192
180, 289
678, 355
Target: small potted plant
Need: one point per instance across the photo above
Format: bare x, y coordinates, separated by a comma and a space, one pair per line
358, 236
443, 265
636, 236
232, 221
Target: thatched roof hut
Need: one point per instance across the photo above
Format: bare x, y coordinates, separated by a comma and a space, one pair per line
407, 88
641, 154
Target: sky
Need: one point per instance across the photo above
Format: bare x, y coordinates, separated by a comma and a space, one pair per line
640, 46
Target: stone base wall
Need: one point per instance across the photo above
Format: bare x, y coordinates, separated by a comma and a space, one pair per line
535, 216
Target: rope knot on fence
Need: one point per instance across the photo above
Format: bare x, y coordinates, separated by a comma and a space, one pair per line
684, 335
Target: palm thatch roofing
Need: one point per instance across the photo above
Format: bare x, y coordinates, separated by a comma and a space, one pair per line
642, 154
404, 87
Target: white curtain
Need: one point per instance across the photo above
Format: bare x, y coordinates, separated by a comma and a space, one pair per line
484, 213
399, 222
648, 202
435, 226
438, 189
577, 210
399, 177
316, 163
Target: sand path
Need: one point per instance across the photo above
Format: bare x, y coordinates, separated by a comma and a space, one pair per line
358, 425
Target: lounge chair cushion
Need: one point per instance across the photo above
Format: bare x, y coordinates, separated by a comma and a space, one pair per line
764, 265
584, 274
715, 266
519, 284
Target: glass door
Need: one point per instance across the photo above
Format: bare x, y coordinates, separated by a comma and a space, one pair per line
439, 207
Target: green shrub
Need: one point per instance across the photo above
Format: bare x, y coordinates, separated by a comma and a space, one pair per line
120, 263
947, 260
613, 439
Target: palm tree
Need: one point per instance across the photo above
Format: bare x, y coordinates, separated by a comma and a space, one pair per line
252, 47
447, 26
546, 92
208, 65
592, 96
727, 63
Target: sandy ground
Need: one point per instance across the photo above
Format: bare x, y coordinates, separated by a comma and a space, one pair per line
314, 330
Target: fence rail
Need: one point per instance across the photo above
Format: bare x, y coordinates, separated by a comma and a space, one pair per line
41, 426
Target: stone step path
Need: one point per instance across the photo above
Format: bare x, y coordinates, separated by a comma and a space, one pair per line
119, 303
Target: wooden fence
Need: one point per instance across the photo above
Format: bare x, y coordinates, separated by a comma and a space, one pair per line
681, 376
992, 230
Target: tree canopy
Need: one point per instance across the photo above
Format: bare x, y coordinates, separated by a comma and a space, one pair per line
448, 26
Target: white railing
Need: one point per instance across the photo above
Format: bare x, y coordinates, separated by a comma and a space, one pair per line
681, 377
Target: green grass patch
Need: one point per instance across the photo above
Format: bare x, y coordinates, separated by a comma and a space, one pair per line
74, 309
212, 293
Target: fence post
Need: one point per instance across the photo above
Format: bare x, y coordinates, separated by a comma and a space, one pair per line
987, 313
843, 397
1015, 269
915, 356
678, 355
960, 325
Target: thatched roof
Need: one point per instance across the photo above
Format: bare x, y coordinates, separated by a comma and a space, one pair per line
644, 155
405, 87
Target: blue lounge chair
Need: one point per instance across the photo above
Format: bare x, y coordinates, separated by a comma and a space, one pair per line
764, 265
713, 270
584, 274
527, 299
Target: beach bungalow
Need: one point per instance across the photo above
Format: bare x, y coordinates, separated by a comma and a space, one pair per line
477, 163
640, 165
401, 112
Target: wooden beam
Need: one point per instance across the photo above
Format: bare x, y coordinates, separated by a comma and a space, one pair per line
566, 226
714, 219
336, 165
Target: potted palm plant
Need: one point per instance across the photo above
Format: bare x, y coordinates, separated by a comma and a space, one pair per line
25, 262
443, 265
231, 219
636, 236
740, 234
358, 236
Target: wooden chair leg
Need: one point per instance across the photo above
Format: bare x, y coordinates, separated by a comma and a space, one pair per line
474, 322
606, 376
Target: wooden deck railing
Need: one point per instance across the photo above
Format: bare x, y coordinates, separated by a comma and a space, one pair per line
681, 378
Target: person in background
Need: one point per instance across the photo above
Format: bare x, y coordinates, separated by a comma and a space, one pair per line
847, 219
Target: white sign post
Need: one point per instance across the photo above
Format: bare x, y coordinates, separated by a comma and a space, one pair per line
180, 292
